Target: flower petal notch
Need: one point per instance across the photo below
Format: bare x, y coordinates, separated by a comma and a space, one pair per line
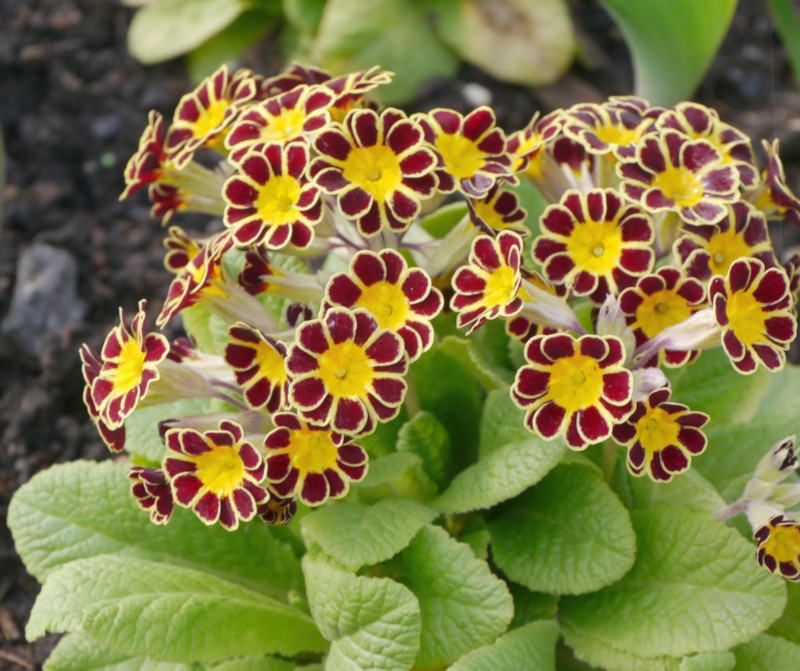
779, 547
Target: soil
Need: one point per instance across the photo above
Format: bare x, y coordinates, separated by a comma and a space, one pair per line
73, 104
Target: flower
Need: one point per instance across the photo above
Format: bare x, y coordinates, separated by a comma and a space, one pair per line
152, 492
753, 306
401, 299
215, 473
661, 436
378, 167
346, 371
181, 249
277, 511
526, 146
129, 366
498, 210
576, 388
488, 286
258, 363
607, 128
311, 462
471, 148
779, 546
773, 196
594, 243
149, 164
91, 364
671, 172
269, 201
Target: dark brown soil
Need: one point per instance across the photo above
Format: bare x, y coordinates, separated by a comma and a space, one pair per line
73, 104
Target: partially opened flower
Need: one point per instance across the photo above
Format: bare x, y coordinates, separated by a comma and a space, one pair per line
269, 200
594, 243
671, 172
661, 436
91, 364
773, 196
488, 286
779, 546
258, 363
181, 248
607, 128
754, 307
150, 162
378, 166
526, 146
130, 362
311, 462
277, 511
402, 299
150, 487
346, 371
216, 473
498, 210
575, 388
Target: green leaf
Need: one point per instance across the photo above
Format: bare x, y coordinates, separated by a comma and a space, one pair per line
695, 587
502, 423
768, 653
786, 22
598, 653
484, 354
709, 661
439, 222
530, 647
127, 603
426, 437
476, 535
169, 28
672, 43
688, 490
788, 626
782, 399
372, 623
530, 606
464, 606
356, 535
357, 35
83, 509
385, 469
304, 15
567, 535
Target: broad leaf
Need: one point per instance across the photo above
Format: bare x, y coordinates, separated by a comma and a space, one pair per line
709, 661
599, 654
688, 490
484, 354
768, 653
530, 647
426, 437
531, 606
502, 422
788, 626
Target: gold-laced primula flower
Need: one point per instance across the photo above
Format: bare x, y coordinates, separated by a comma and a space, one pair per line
269, 201
704, 251
672, 172
153, 494
779, 546
754, 307
700, 122
346, 371
575, 388
792, 267
311, 462
523, 326
661, 436
378, 166
607, 128
488, 286
130, 362
773, 197
181, 248
402, 299
277, 511
472, 150
498, 210
351, 88
203, 116
297, 114
150, 163
216, 473
258, 363
658, 301
91, 364
526, 146
594, 243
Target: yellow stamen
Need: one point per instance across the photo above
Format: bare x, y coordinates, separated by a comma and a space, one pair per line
576, 382
312, 451
346, 370
375, 169
656, 430
221, 469
661, 310
461, 155
596, 246
387, 302
277, 200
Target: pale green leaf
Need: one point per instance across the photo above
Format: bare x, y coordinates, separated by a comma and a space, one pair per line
426, 437
464, 606
83, 509
385, 469
708, 661
372, 623
355, 534
439, 222
782, 398
530, 647
689, 490
695, 587
481, 358
672, 42
599, 654
128, 603
567, 535
768, 653
788, 626
502, 422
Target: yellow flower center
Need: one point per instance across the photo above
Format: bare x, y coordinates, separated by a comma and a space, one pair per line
210, 118
724, 249
270, 363
660, 311
387, 302
596, 246
784, 543
656, 430
485, 210
618, 134
286, 126
500, 287
312, 451
535, 169
346, 370
221, 469
375, 169
461, 156
277, 200
128, 372
746, 317
680, 185
576, 382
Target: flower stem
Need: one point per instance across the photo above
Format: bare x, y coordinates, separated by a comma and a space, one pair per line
610, 452
412, 399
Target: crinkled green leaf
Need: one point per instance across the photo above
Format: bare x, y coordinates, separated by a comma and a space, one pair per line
502, 423
385, 469
768, 653
170, 28
695, 587
708, 661
83, 509
128, 603
372, 623
476, 535
567, 535
672, 42
531, 606
355, 534
464, 606
478, 355
426, 437
599, 654
688, 490
530, 647
788, 626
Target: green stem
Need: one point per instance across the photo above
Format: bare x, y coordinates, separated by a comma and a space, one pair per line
412, 399
610, 452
